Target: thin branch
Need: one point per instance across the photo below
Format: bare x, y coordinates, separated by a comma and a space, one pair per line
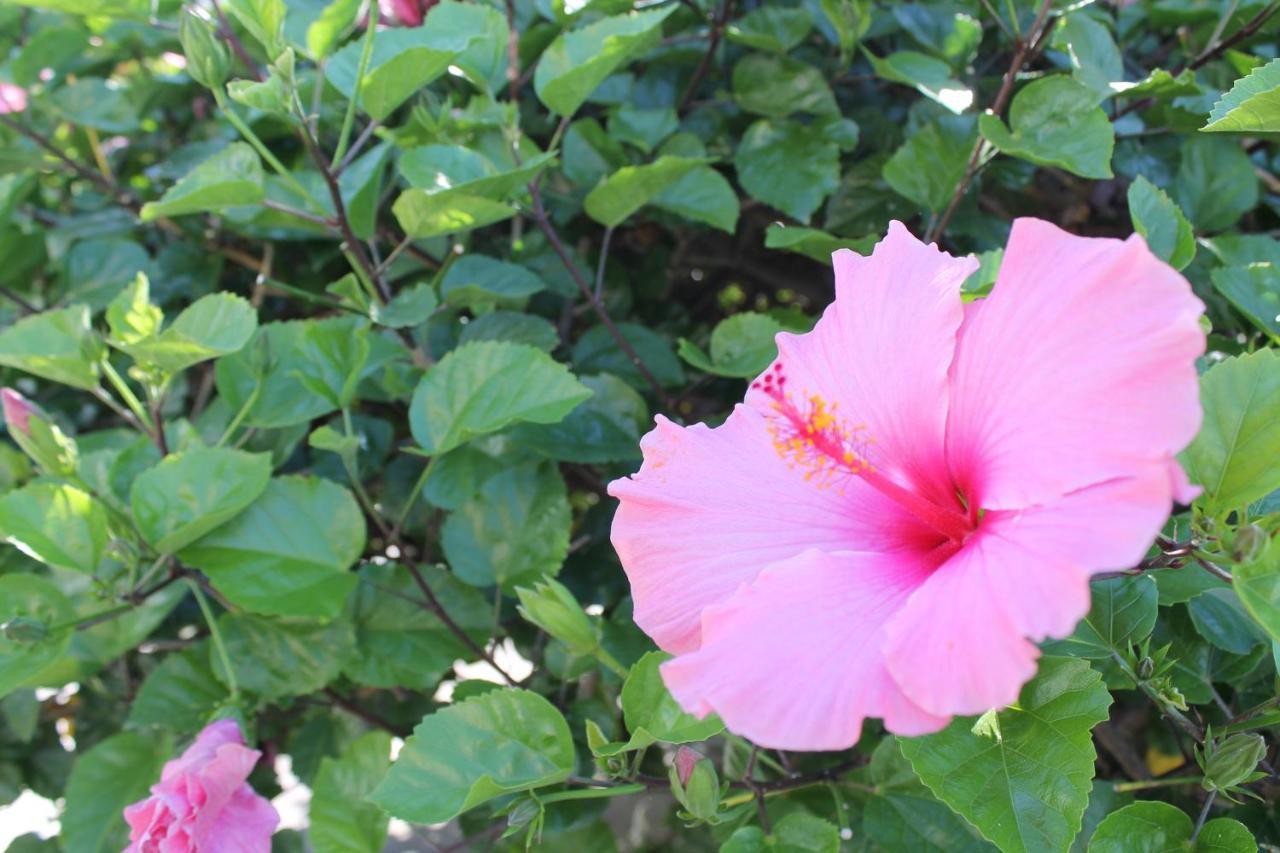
24, 306
604, 260
271, 204
704, 65
513, 54
1024, 52
375, 720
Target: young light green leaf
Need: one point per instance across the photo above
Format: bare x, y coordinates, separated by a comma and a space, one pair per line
212, 326
53, 345
1236, 455
1055, 121
1252, 105
289, 553
480, 388
1026, 791
931, 77
230, 178
652, 715
424, 214
264, 19
327, 31
1160, 221
190, 493
461, 756
342, 821
57, 524
631, 187
34, 630
571, 68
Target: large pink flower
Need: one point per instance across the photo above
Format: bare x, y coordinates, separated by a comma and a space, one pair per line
918, 489
202, 803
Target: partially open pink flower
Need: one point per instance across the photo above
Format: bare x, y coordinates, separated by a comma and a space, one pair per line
17, 410
202, 803
13, 99
916, 490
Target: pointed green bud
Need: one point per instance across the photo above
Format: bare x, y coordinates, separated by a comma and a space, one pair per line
207, 59
695, 784
1233, 761
551, 607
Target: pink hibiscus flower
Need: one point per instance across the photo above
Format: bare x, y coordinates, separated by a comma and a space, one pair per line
202, 803
916, 490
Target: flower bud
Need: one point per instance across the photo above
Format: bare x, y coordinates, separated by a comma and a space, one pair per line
1233, 761
37, 435
695, 784
1248, 543
24, 629
551, 607
525, 812
207, 59
1146, 668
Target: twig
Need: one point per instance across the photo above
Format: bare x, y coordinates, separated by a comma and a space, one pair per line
375, 720
748, 778
1204, 814
544, 222
24, 306
513, 54
604, 259
1023, 53
236, 45
357, 146
272, 204
717, 30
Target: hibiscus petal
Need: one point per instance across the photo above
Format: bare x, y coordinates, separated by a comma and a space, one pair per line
710, 508
959, 645
244, 826
793, 660
1078, 369
882, 350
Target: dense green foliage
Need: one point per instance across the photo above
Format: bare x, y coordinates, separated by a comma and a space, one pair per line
338, 332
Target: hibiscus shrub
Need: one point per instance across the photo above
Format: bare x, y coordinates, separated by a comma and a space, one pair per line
330, 337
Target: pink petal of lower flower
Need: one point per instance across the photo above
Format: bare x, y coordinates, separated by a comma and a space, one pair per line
710, 508
245, 826
1079, 368
882, 350
793, 660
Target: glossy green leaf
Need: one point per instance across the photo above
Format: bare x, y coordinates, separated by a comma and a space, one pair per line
512, 327
477, 281
107, 777
1254, 290
274, 658
578, 61
1257, 583
798, 832
1236, 454
190, 493
773, 28
289, 553
1252, 105
701, 195
326, 31
410, 307
785, 165
404, 60
1215, 184
425, 214
53, 345
28, 597
212, 326
1026, 788
1156, 827
931, 77
57, 524
436, 168
813, 243
332, 358
1055, 121
652, 715
1160, 221
1220, 617
777, 86
480, 388
598, 352
631, 187
604, 428
1122, 613
1095, 60
180, 694
741, 346
229, 178
470, 752
931, 163
342, 820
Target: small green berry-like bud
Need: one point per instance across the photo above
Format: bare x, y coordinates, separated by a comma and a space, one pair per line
207, 59
695, 784
551, 607
1146, 668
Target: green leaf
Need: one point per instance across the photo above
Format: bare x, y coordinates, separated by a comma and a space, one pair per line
631, 187
1160, 221
1095, 60
57, 524
180, 694
777, 86
1254, 290
931, 77
701, 195
274, 658
485, 58
929, 166
1215, 184
1221, 618
788, 166
212, 326
461, 756
404, 60
408, 308
97, 270
114, 773
1258, 585
230, 178
332, 358
25, 596
399, 643
512, 327
425, 214
1236, 455
341, 819
264, 19
1027, 789
1055, 121
190, 493
773, 28
477, 281
598, 352
1123, 612
289, 553
327, 31
571, 68
437, 168
813, 243
1156, 827
131, 316
904, 815
480, 388
742, 346
1161, 84
52, 345
643, 127
604, 428
1252, 105
104, 105
513, 531
652, 715
798, 832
